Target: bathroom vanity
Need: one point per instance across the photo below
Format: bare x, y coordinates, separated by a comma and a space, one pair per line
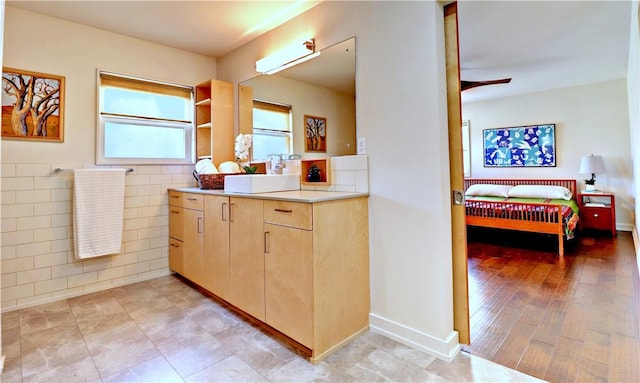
297, 261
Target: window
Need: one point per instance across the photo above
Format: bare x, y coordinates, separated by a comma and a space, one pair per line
271, 129
143, 121
466, 154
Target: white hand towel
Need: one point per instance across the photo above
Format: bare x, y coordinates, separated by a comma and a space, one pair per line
98, 211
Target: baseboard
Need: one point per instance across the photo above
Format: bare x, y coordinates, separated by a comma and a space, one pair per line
624, 227
443, 349
62, 297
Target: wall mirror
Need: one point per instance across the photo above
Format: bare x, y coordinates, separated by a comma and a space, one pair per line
319, 97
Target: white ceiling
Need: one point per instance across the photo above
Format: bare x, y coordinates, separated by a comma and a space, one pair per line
542, 45
211, 28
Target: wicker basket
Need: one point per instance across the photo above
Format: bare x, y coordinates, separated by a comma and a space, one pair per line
210, 181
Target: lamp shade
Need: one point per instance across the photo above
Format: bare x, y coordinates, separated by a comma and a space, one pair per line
592, 165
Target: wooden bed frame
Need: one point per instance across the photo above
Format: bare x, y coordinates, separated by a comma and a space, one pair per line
538, 223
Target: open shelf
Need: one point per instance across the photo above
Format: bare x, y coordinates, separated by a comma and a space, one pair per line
325, 170
205, 102
214, 107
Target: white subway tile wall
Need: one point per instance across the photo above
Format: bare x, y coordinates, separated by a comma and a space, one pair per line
348, 174
37, 260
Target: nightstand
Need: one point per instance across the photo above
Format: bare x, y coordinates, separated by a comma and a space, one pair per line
598, 211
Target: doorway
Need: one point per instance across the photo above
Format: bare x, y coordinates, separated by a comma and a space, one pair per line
456, 177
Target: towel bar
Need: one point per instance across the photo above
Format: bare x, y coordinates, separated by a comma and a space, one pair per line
58, 170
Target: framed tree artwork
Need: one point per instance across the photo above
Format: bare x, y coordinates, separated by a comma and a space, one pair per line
316, 134
32, 106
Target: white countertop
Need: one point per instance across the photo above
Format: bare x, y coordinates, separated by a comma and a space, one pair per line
308, 196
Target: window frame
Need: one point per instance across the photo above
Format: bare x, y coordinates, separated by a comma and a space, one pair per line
275, 107
138, 83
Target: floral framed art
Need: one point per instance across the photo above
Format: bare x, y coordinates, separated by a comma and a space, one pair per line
521, 146
32, 106
316, 134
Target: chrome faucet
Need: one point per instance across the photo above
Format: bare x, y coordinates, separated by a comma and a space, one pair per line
277, 163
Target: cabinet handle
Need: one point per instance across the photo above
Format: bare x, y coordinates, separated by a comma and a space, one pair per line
175, 212
192, 199
230, 212
199, 225
175, 196
223, 206
266, 242
596, 215
284, 210
175, 245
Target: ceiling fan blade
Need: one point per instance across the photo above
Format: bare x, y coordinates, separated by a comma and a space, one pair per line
464, 85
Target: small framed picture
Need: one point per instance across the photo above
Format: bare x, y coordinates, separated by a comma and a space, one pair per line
32, 106
316, 133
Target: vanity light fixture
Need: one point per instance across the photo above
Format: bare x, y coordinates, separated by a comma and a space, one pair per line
288, 57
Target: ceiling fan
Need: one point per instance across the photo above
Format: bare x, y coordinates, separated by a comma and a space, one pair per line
464, 85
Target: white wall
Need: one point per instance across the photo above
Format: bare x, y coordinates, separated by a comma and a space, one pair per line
590, 119
37, 260
401, 111
633, 86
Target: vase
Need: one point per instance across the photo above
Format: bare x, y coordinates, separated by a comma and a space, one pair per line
590, 187
313, 177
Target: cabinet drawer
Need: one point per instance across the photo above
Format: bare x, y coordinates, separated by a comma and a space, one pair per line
292, 214
175, 198
193, 201
186, 200
596, 218
176, 222
176, 256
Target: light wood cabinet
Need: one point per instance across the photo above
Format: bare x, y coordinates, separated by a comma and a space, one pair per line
214, 121
246, 256
289, 281
186, 235
317, 271
193, 256
216, 244
176, 255
301, 268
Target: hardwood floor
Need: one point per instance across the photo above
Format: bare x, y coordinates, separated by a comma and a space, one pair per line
569, 319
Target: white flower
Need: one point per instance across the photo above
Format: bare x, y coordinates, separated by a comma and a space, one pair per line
242, 146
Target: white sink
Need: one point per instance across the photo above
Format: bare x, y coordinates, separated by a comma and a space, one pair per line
261, 183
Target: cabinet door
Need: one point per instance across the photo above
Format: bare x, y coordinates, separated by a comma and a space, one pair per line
247, 255
216, 245
289, 281
193, 241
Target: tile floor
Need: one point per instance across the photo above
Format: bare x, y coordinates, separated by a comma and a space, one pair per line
163, 330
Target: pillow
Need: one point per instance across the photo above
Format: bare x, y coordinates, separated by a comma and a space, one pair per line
540, 191
488, 190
